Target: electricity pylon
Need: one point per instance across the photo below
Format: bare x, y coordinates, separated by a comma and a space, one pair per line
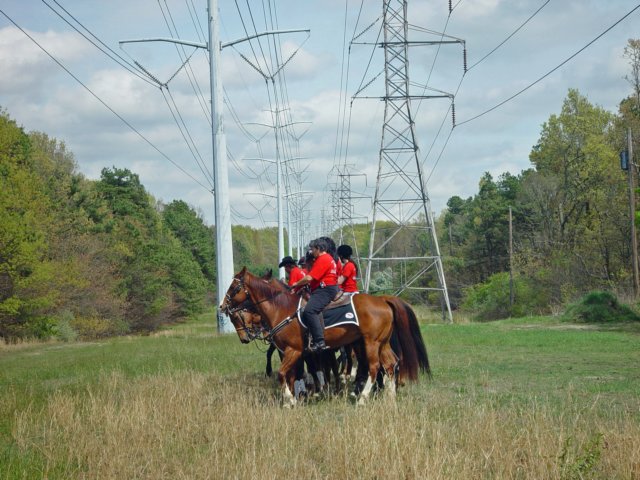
402, 216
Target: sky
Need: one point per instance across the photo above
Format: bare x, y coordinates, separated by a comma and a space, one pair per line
112, 116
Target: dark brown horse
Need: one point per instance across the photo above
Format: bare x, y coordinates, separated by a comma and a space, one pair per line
249, 326
377, 318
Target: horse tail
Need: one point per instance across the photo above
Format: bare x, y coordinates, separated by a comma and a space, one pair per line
414, 355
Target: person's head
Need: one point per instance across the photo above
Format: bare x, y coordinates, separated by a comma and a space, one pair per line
288, 263
331, 246
345, 252
308, 260
319, 246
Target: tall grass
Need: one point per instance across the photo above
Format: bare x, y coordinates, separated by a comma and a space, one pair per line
194, 425
508, 400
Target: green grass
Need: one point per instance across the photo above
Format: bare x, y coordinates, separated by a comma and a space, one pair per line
536, 357
509, 364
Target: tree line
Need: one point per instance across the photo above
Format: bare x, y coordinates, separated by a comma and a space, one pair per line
99, 257
103, 257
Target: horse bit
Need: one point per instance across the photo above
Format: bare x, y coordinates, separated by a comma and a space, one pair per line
258, 333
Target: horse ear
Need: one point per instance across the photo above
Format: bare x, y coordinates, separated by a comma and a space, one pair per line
242, 272
268, 274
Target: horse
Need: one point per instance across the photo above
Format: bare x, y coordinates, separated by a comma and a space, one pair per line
249, 326
377, 318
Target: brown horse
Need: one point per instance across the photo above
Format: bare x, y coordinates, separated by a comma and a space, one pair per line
377, 318
249, 326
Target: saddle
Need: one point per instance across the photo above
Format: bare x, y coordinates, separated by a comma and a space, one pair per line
338, 301
338, 312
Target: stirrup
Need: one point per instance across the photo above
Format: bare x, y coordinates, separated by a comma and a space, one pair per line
318, 346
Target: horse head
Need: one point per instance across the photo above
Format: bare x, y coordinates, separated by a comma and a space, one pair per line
247, 322
236, 293
240, 308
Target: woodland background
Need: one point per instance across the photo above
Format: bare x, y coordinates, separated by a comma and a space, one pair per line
95, 258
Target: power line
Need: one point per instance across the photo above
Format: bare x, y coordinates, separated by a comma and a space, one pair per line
119, 60
512, 34
191, 144
518, 93
550, 71
137, 132
198, 92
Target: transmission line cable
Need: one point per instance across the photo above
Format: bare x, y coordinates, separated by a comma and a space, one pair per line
342, 99
119, 60
191, 145
511, 35
463, 76
136, 131
538, 80
181, 53
197, 26
246, 32
552, 70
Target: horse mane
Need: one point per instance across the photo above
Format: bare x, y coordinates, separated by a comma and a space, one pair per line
276, 294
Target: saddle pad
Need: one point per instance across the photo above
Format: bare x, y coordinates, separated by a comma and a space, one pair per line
333, 317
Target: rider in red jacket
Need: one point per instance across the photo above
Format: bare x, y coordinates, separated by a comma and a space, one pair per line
295, 273
322, 279
347, 279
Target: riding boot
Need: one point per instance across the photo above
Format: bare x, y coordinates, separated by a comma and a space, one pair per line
316, 330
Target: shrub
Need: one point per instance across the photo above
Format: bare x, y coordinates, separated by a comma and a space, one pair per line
90, 328
490, 300
599, 307
64, 330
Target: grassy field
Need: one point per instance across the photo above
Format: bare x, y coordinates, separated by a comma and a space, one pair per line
523, 399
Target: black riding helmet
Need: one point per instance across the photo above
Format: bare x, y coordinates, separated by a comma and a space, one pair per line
345, 251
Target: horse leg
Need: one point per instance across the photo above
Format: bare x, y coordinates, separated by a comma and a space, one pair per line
269, 369
333, 364
389, 360
312, 369
372, 349
299, 386
329, 367
286, 376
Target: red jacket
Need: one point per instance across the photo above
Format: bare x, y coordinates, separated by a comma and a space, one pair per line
295, 274
323, 271
349, 273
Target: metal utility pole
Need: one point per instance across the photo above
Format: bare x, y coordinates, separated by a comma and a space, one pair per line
224, 250
224, 247
401, 206
632, 212
510, 257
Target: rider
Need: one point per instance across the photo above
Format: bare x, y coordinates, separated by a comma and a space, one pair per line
322, 279
295, 273
349, 273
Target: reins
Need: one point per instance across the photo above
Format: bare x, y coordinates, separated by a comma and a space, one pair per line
270, 333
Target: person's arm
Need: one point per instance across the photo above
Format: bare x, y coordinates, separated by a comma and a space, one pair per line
302, 282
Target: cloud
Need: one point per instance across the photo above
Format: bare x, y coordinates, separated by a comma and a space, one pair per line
26, 68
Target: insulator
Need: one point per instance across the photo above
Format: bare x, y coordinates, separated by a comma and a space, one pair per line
453, 114
450, 7
464, 59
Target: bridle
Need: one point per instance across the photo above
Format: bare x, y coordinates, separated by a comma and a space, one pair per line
262, 332
254, 332
228, 297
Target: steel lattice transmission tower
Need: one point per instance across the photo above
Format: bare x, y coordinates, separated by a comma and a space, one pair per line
402, 216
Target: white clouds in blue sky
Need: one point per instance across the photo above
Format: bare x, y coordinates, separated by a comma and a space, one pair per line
39, 95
